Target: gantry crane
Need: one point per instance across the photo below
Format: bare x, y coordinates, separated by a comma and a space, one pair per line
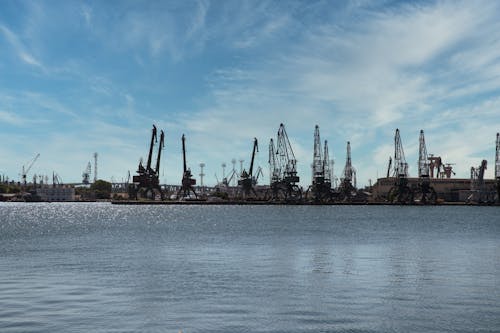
25, 170
400, 192
146, 184
283, 166
187, 178
347, 188
320, 190
246, 181
424, 193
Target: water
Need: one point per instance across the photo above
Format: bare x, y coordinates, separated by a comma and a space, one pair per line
104, 268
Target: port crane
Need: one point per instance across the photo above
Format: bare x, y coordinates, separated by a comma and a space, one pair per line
424, 193
320, 190
400, 191
146, 183
347, 188
187, 178
478, 191
283, 166
86, 174
246, 181
25, 170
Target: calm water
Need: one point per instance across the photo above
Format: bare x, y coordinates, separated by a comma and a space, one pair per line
105, 268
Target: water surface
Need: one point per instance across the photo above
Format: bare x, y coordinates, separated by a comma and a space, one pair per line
102, 268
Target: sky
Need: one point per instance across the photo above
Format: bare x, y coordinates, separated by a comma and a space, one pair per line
78, 77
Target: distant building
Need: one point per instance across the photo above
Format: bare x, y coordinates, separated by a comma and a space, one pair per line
448, 189
57, 193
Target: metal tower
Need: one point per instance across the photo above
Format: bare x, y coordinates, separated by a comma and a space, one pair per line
95, 167
327, 171
233, 161
400, 192
423, 161
202, 165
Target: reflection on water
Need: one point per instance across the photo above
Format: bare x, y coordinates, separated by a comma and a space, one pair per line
98, 267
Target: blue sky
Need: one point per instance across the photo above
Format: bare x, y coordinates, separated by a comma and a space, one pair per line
78, 77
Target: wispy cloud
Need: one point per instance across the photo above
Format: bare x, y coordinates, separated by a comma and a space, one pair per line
19, 48
225, 72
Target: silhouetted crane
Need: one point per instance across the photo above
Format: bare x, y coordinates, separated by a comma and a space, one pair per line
146, 183
246, 179
187, 177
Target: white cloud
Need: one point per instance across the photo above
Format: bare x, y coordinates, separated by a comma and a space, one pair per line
20, 49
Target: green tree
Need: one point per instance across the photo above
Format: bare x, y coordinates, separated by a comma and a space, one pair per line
102, 189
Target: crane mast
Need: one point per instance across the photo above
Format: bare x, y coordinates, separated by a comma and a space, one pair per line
400, 165
423, 161
318, 165
347, 187
349, 171
326, 164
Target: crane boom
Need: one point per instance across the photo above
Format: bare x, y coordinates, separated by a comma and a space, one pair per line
255, 148
184, 152
150, 155
26, 170
160, 148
